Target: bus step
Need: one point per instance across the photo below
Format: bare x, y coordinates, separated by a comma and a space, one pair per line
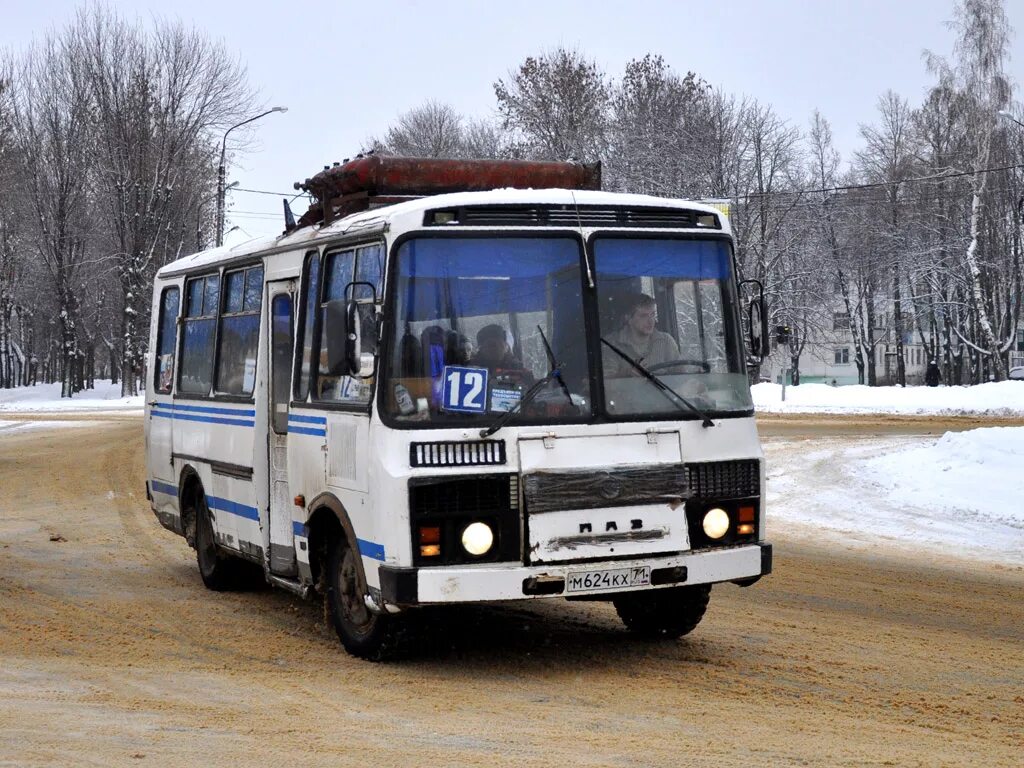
295, 587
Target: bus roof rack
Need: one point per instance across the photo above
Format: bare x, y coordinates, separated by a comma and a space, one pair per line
375, 180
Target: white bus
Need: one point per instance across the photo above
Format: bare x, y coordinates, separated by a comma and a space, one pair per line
465, 397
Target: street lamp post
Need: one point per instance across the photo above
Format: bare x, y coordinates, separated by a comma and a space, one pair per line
220, 169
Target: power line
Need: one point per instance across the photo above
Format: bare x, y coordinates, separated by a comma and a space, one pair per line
882, 184
265, 192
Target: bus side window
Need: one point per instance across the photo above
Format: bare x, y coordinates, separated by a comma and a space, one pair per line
307, 321
238, 338
339, 269
197, 346
369, 269
165, 340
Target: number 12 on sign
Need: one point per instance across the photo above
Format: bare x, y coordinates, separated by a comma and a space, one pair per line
465, 389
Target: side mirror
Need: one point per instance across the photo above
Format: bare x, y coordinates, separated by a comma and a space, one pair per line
341, 335
757, 321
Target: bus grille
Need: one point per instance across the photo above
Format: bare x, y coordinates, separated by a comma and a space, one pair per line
724, 479
457, 454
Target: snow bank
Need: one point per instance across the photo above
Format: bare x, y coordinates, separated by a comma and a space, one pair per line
969, 480
961, 494
45, 398
1005, 398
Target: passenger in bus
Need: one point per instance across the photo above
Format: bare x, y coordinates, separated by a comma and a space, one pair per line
639, 338
493, 350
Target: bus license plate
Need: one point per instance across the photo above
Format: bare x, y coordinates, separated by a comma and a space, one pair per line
610, 579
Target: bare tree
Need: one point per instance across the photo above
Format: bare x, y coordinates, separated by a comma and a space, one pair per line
429, 130
655, 129
889, 159
158, 99
52, 121
556, 104
978, 73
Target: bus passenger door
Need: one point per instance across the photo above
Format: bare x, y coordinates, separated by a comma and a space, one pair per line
160, 403
282, 541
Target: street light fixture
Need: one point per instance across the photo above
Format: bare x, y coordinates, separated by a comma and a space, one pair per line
220, 169
1009, 116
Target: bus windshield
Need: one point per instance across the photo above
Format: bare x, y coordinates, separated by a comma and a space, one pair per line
474, 322
479, 321
669, 306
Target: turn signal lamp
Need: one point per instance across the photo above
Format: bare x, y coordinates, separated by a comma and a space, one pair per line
477, 538
716, 523
745, 529
746, 514
430, 541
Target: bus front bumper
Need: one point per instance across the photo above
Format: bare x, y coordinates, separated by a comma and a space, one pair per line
496, 581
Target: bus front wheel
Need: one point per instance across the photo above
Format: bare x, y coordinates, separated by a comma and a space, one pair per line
364, 633
663, 613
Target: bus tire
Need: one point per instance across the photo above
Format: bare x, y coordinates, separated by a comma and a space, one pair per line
364, 633
219, 572
663, 613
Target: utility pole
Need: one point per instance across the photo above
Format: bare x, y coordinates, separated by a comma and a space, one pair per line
221, 190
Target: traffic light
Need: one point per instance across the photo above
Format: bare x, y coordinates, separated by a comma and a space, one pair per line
782, 334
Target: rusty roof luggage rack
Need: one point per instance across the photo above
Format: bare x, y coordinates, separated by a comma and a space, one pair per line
375, 180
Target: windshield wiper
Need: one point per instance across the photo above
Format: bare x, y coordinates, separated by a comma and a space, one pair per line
556, 371
662, 387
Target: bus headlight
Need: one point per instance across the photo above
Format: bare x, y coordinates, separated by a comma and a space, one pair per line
716, 523
477, 538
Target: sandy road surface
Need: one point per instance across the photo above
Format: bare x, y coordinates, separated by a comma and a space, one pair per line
112, 653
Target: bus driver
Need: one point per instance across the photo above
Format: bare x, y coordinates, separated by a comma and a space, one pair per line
639, 338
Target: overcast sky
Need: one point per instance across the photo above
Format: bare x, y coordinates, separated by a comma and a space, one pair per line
346, 69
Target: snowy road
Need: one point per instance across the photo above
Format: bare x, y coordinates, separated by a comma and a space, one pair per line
113, 653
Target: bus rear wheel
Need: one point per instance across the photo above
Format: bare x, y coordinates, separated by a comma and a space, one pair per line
364, 633
663, 613
219, 572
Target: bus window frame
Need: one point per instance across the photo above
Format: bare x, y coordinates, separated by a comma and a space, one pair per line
211, 395
180, 288
321, 253
600, 402
222, 314
390, 321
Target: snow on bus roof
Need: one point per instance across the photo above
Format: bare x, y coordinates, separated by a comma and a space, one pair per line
412, 209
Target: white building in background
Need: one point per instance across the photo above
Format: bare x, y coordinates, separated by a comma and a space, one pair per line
830, 357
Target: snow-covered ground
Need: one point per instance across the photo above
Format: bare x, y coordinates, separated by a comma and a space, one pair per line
962, 493
1005, 398
7, 427
45, 398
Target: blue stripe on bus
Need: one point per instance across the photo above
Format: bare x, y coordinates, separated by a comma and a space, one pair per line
157, 487
233, 508
307, 419
204, 409
306, 431
204, 419
371, 549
